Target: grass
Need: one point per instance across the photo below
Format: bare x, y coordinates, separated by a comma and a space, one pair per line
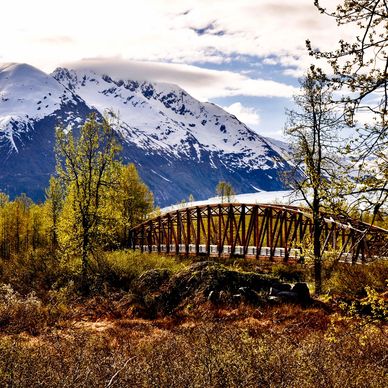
52, 337
132, 264
213, 352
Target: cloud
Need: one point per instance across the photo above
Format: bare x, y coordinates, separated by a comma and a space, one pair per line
295, 72
202, 83
56, 40
246, 114
190, 31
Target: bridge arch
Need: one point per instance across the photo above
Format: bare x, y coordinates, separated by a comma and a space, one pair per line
254, 230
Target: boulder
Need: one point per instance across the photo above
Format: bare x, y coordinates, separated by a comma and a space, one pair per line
302, 291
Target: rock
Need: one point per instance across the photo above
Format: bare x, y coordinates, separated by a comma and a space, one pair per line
288, 296
249, 295
274, 290
297, 294
302, 291
237, 298
152, 280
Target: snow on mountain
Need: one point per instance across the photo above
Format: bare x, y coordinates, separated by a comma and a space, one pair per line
180, 145
175, 121
27, 95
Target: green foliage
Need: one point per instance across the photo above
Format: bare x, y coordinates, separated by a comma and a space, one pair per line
89, 208
87, 168
126, 266
375, 304
53, 207
132, 200
103, 198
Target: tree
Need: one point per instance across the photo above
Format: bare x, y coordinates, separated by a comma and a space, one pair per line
87, 168
311, 128
4, 198
54, 205
134, 200
225, 191
360, 70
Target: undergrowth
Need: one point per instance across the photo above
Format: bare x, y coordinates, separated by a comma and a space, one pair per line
207, 354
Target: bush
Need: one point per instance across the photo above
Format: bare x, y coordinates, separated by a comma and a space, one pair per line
18, 314
351, 280
121, 268
34, 270
208, 354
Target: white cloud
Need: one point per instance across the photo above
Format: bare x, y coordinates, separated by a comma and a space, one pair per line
202, 83
247, 115
189, 31
295, 72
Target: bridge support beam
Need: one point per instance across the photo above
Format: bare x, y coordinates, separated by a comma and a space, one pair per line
274, 232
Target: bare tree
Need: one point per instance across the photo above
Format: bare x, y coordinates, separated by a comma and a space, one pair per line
312, 128
360, 71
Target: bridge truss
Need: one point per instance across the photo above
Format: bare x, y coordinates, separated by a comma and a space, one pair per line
255, 230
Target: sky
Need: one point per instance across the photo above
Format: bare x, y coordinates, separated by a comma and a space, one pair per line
245, 55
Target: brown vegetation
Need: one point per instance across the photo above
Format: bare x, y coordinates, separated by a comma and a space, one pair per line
54, 337
283, 347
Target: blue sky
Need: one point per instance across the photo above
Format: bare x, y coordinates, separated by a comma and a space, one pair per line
244, 55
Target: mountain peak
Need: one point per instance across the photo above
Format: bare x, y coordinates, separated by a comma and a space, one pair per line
27, 95
168, 134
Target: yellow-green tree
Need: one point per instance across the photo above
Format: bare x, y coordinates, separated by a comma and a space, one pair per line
53, 207
87, 168
135, 200
225, 191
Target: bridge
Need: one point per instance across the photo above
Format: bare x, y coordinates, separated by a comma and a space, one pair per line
274, 232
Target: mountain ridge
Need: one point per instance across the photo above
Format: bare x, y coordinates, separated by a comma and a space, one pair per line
181, 146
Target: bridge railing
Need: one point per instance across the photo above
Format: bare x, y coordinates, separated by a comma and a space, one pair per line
254, 230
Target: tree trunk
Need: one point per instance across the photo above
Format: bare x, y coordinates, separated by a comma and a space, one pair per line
84, 268
317, 247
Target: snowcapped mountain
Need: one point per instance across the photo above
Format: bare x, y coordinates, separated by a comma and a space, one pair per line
180, 145
27, 95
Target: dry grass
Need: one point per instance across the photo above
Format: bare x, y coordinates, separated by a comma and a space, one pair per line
281, 347
56, 338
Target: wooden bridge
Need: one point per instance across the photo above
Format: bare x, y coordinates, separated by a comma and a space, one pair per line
275, 232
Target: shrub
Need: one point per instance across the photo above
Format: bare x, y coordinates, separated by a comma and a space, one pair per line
208, 354
121, 268
19, 313
351, 280
34, 270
